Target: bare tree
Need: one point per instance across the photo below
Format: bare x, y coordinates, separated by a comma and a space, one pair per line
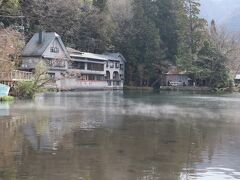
11, 44
228, 43
41, 76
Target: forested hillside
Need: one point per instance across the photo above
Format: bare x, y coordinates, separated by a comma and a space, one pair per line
152, 35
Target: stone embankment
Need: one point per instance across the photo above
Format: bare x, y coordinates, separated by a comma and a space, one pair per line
185, 88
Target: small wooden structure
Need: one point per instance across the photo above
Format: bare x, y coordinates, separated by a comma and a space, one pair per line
9, 78
237, 79
174, 77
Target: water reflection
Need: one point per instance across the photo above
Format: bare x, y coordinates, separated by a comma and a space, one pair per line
111, 135
4, 109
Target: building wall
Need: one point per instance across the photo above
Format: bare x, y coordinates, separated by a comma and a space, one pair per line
122, 71
60, 54
30, 62
56, 53
110, 66
78, 84
56, 74
70, 84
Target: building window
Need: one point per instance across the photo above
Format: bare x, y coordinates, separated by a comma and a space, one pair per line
115, 75
107, 64
54, 49
107, 75
95, 67
121, 66
99, 77
83, 77
81, 65
111, 64
51, 76
116, 65
91, 77
78, 65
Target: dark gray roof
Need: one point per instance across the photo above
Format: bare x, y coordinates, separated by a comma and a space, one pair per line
90, 56
34, 48
107, 56
115, 56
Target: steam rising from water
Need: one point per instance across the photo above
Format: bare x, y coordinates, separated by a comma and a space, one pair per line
177, 108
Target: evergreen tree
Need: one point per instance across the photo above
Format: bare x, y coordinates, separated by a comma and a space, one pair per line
80, 24
191, 34
101, 4
9, 7
165, 18
213, 29
211, 66
143, 44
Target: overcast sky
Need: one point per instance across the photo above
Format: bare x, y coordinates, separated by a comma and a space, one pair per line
220, 10
225, 12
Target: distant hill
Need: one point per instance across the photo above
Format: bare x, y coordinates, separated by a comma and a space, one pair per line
225, 12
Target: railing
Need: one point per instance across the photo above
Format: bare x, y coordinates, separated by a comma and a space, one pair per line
176, 83
16, 76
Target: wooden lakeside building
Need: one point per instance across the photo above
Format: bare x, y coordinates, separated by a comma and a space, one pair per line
174, 77
72, 69
48, 47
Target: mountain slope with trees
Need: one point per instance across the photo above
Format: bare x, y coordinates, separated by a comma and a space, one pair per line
152, 34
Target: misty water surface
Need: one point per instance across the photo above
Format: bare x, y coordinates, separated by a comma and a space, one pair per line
121, 136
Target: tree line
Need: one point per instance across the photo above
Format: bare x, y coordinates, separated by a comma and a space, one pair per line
152, 35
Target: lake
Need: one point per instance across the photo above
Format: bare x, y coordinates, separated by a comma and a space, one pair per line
132, 135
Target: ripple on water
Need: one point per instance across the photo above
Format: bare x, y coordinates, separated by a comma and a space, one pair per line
212, 173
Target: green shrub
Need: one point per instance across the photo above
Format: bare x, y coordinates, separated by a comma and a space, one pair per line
26, 89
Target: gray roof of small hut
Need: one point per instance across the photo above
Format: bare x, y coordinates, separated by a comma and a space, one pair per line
36, 49
173, 70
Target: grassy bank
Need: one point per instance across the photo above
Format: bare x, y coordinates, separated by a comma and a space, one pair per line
7, 98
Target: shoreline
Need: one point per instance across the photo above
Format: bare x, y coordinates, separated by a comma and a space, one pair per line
170, 88
12, 96
185, 88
